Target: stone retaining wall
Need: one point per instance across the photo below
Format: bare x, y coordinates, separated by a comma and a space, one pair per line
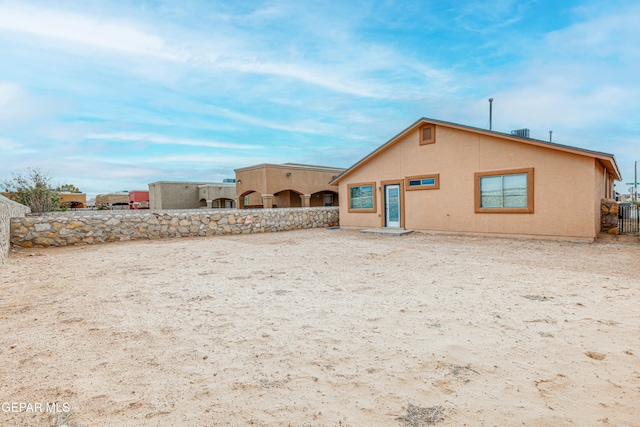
609, 216
8, 209
69, 228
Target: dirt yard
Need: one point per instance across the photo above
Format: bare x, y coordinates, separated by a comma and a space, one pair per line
323, 328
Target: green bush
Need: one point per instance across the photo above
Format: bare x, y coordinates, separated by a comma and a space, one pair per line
33, 190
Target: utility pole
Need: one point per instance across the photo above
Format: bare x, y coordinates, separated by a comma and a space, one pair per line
634, 183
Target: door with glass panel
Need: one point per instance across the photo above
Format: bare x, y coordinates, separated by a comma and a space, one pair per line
392, 205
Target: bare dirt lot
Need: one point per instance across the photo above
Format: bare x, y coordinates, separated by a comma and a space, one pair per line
323, 328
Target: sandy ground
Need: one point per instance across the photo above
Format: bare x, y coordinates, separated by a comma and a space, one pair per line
323, 328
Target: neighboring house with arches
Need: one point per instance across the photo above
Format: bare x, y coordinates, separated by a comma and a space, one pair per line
113, 200
286, 185
192, 195
217, 195
73, 200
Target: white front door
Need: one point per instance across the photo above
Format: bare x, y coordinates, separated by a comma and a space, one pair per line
392, 205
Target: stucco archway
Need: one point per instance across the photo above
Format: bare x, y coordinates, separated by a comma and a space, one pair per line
249, 200
288, 198
324, 198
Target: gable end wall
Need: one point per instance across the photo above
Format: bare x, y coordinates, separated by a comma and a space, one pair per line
564, 186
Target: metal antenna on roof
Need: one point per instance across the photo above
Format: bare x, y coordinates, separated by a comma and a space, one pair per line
550, 134
490, 113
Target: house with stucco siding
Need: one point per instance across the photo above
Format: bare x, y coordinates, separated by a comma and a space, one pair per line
445, 177
286, 185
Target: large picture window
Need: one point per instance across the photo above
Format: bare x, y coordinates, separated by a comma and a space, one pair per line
362, 197
504, 191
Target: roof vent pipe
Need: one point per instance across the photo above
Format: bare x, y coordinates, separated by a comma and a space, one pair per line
490, 113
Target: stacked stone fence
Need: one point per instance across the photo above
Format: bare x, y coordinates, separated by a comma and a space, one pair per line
70, 228
8, 210
609, 216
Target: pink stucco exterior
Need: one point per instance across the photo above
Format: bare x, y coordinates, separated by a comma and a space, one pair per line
566, 188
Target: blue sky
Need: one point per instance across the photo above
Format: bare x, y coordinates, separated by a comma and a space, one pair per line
113, 95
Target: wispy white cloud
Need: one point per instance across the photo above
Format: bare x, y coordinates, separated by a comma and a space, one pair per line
346, 68
228, 161
9, 146
329, 79
613, 34
18, 105
300, 81
9, 92
304, 126
575, 81
484, 17
84, 29
151, 138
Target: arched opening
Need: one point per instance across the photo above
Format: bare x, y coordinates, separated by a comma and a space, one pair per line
73, 205
119, 206
287, 199
250, 200
324, 198
203, 203
223, 203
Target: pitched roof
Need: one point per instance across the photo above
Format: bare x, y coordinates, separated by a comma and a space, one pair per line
607, 159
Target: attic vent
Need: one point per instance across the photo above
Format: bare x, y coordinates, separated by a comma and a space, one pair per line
522, 133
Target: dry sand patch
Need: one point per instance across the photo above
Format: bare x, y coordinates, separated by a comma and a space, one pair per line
324, 328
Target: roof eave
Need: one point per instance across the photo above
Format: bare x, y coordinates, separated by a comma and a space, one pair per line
536, 142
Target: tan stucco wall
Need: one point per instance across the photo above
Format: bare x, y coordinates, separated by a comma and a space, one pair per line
285, 182
217, 191
112, 199
155, 196
563, 188
174, 195
73, 197
186, 195
317, 199
287, 198
251, 180
254, 199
